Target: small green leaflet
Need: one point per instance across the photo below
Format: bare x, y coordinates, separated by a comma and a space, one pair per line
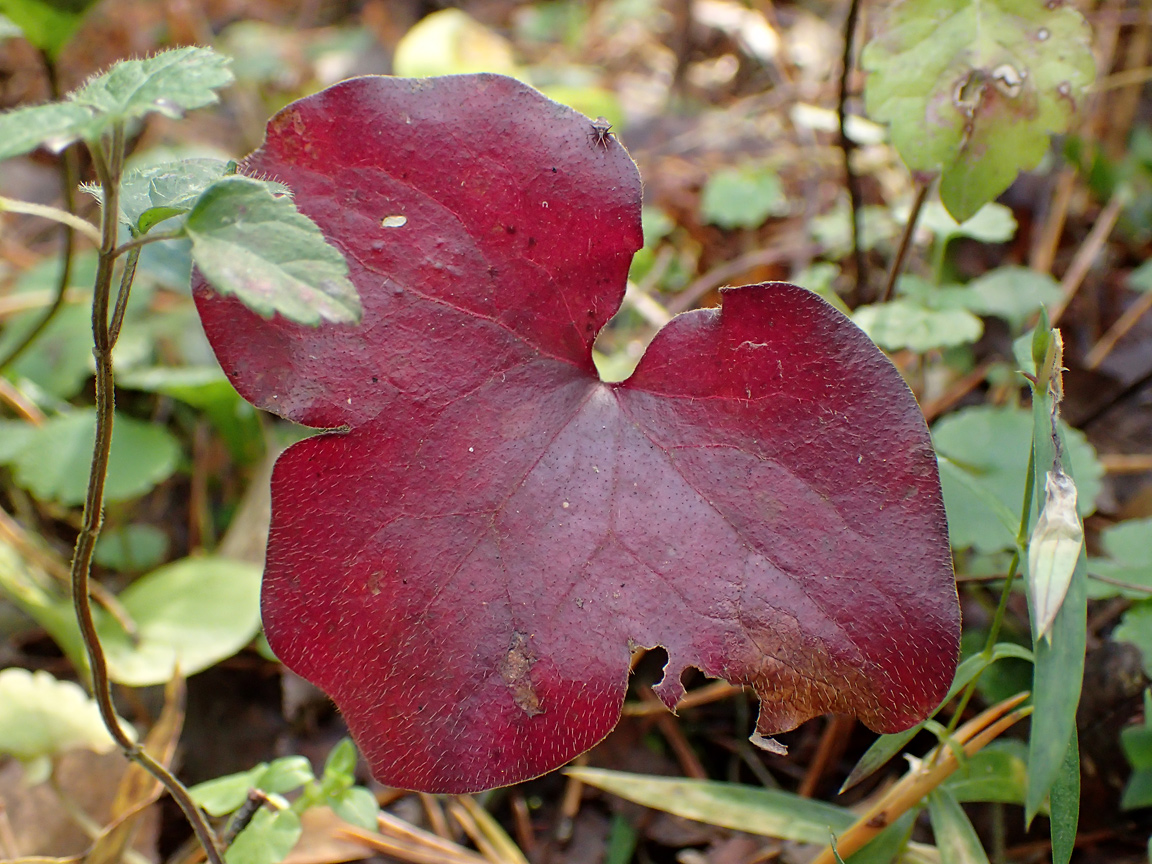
257, 246
167, 83
973, 88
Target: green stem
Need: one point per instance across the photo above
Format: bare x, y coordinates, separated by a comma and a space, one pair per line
109, 164
85, 227
122, 296
137, 243
1005, 593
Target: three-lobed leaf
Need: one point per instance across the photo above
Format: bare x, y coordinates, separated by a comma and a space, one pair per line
468, 561
973, 88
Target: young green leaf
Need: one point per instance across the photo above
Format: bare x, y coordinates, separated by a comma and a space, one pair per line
167, 83
54, 125
268, 838
1053, 549
955, 837
151, 195
221, 795
131, 548
47, 24
357, 806
257, 246
974, 89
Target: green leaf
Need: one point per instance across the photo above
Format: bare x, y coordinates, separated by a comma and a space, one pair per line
742, 197
169, 83
285, 774
955, 837
999, 773
1136, 627
992, 223
208, 389
1064, 807
1140, 279
222, 795
902, 324
767, 812
340, 766
1012, 293
131, 548
621, 842
252, 244
267, 839
887, 746
54, 463
42, 717
1058, 670
188, 615
55, 125
1137, 744
974, 88
148, 196
1129, 549
357, 806
47, 24
991, 445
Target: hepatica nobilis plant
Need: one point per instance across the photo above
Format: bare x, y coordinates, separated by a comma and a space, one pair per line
467, 558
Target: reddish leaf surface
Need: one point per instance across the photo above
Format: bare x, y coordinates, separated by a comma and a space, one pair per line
467, 563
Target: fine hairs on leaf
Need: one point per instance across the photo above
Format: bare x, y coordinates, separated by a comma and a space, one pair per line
467, 562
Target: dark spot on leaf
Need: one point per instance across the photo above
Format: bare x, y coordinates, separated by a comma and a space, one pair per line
515, 669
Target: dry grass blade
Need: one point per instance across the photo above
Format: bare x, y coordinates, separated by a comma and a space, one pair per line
505, 847
713, 692
925, 775
409, 843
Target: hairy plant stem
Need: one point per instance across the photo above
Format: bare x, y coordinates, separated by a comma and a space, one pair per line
108, 156
69, 177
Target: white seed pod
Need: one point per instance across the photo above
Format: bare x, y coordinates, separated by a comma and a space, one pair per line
1053, 550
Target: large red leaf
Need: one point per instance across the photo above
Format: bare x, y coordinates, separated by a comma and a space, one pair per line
466, 563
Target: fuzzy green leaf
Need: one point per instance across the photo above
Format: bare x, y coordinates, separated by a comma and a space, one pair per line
54, 125
906, 324
973, 88
151, 195
742, 197
257, 246
167, 83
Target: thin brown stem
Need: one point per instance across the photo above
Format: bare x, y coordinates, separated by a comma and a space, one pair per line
906, 239
109, 163
847, 145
